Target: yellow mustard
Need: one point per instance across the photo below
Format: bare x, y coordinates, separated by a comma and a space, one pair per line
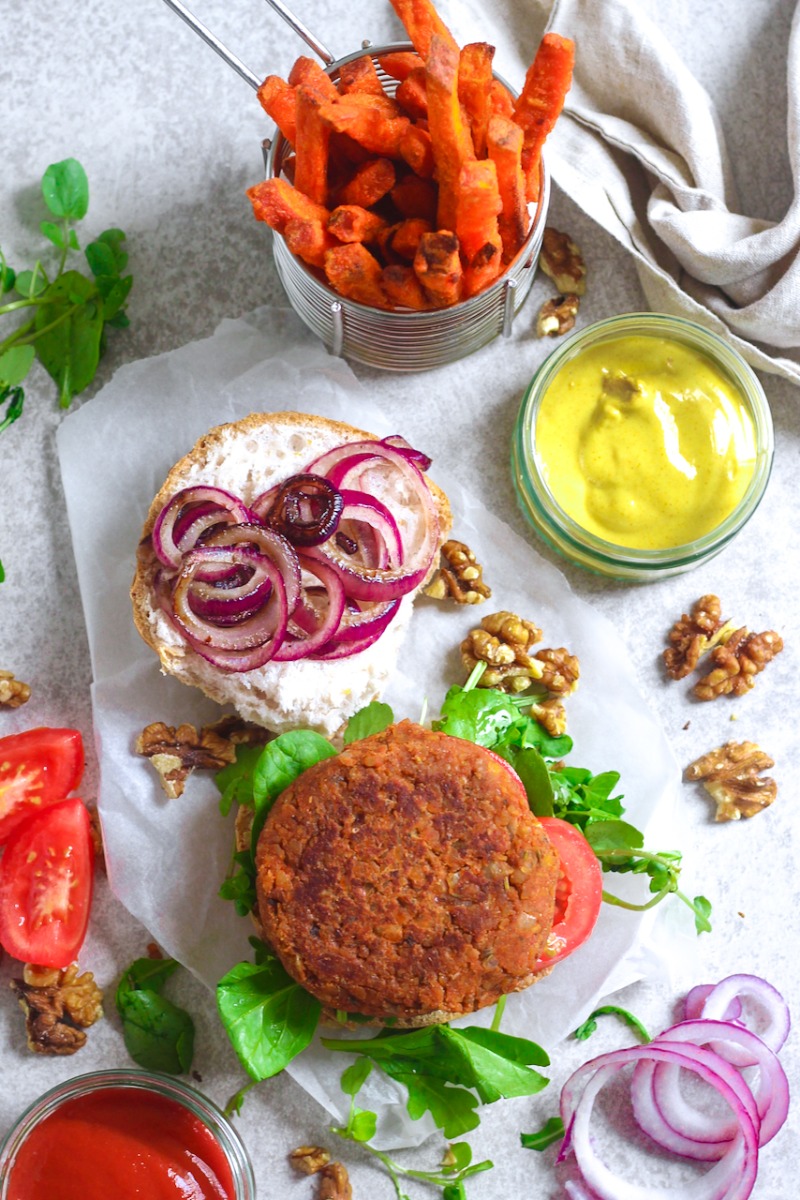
644, 442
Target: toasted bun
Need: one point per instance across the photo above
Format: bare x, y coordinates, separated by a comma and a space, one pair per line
247, 457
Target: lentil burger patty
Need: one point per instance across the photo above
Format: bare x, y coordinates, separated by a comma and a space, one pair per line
407, 877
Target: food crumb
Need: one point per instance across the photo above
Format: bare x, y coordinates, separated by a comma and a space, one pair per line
688, 723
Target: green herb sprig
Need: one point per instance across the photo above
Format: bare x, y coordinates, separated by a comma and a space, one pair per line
65, 311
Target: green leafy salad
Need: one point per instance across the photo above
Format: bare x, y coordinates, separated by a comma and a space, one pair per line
447, 1072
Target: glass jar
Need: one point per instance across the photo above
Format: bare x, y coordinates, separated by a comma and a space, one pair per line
615, 402
170, 1097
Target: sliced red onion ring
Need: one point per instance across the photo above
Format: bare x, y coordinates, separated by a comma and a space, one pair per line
262, 626
229, 509
767, 1000
696, 998
361, 622
305, 509
361, 507
403, 447
731, 1178
319, 622
272, 546
225, 603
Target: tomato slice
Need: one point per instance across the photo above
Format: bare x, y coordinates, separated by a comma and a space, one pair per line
46, 885
579, 892
37, 768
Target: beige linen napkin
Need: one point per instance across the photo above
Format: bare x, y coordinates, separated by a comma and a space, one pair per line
641, 149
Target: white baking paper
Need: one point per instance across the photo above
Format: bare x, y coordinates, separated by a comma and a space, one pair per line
166, 858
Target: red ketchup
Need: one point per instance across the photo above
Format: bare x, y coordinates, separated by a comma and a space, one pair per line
121, 1144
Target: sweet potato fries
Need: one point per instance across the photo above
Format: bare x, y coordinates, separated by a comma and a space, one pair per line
419, 199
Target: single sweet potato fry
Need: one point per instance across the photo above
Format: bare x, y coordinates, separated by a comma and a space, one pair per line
277, 202
354, 273
541, 100
421, 22
412, 94
501, 102
437, 265
369, 126
415, 197
402, 288
450, 135
360, 76
416, 148
474, 83
311, 145
309, 240
308, 72
504, 142
369, 183
407, 235
351, 223
398, 64
278, 100
478, 205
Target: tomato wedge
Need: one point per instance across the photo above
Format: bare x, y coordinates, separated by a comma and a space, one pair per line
37, 768
579, 892
46, 885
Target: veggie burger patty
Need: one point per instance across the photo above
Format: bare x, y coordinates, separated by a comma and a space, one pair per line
407, 877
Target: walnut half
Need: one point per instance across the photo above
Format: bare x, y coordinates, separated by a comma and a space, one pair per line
562, 261
736, 663
731, 774
59, 1005
13, 692
176, 752
460, 576
557, 315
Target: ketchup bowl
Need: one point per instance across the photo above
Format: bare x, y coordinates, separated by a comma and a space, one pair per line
124, 1134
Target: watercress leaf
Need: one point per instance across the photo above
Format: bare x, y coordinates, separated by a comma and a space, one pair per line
114, 238
70, 324
362, 1126
702, 911
454, 1191
15, 364
459, 1156
114, 292
54, 233
551, 1131
100, 258
515, 1049
158, 1035
120, 320
240, 885
235, 781
495, 1074
30, 283
66, 189
72, 240
354, 1077
2, 573
269, 1018
373, 718
8, 277
535, 734
605, 836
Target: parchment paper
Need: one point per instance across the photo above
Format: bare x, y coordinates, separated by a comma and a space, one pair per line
166, 858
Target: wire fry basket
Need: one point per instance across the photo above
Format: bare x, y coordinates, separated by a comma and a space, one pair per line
398, 339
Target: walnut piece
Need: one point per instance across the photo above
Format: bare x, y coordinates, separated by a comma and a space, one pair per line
731, 776
460, 576
737, 662
502, 641
309, 1159
561, 670
552, 714
175, 753
13, 692
562, 261
334, 1183
693, 634
557, 315
59, 1005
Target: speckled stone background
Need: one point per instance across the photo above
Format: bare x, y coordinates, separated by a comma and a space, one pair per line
170, 138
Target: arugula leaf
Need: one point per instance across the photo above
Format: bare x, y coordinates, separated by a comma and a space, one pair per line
158, 1035
373, 718
551, 1131
66, 189
589, 1026
269, 1018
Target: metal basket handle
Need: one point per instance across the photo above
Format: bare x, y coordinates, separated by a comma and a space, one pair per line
230, 58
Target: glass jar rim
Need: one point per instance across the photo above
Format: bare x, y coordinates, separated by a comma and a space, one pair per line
122, 1078
574, 540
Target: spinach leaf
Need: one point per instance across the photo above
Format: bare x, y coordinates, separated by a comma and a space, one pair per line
373, 718
269, 1018
158, 1035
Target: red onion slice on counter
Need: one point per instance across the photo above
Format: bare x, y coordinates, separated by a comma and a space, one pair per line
771, 1008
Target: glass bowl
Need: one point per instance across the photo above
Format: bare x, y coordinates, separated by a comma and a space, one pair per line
730, 456
172, 1101
400, 339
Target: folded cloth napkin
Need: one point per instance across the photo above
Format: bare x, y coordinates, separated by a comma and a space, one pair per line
640, 148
